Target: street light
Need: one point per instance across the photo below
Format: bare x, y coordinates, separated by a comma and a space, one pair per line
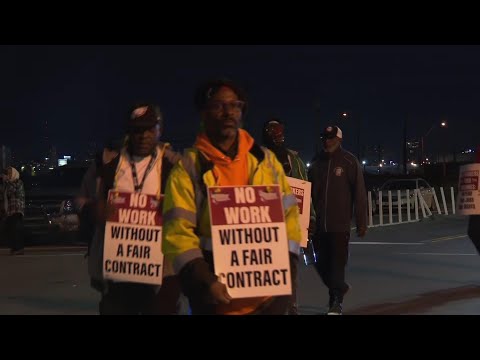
443, 125
348, 115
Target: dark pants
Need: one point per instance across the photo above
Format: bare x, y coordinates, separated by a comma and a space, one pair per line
200, 302
331, 250
141, 299
278, 305
14, 232
293, 305
87, 224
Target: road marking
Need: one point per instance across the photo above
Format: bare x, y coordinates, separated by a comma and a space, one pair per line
55, 248
45, 255
382, 243
47, 249
445, 238
438, 254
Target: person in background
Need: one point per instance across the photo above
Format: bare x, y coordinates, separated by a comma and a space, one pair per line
12, 208
86, 199
338, 188
274, 140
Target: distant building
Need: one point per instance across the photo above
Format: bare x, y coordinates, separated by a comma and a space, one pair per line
52, 160
66, 159
414, 152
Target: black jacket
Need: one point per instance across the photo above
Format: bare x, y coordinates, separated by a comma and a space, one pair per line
474, 230
338, 187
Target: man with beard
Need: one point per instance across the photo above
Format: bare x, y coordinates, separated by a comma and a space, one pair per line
274, 139
223, 155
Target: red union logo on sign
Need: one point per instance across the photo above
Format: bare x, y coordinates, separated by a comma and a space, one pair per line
216, 198
265, 196
469, 183
154, 203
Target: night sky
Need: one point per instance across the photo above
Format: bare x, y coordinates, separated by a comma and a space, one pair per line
84, 92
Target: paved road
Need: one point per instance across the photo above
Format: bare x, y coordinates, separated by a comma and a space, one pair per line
419, 268
428, 267
46, 281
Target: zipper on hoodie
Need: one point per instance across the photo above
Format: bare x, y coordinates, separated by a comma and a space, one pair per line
326, 192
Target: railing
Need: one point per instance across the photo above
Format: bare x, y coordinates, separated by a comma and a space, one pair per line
408, 208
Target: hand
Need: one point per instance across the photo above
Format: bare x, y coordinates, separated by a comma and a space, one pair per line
104, 211
219, 293
361, 231
100, 211
109, 211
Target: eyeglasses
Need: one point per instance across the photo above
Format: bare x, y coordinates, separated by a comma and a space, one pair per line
142, 129
218, 106
327, 137
275, 128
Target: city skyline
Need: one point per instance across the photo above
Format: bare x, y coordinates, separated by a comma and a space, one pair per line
84, 92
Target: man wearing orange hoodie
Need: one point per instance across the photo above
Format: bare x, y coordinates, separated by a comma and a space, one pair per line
223, 155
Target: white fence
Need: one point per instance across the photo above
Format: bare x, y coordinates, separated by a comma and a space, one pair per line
408, 207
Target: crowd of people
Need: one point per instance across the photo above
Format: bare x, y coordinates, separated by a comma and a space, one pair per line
223, 155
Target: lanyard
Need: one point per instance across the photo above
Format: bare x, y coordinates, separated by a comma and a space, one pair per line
138, 187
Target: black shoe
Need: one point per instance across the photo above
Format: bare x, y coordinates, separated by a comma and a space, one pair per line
347, 289
335, 308
338, 298
293, 310
334, 299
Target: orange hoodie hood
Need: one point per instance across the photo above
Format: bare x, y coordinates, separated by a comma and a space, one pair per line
245, 143
227, 171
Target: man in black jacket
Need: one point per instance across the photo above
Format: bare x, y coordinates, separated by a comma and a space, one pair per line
338, 187
86, 198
